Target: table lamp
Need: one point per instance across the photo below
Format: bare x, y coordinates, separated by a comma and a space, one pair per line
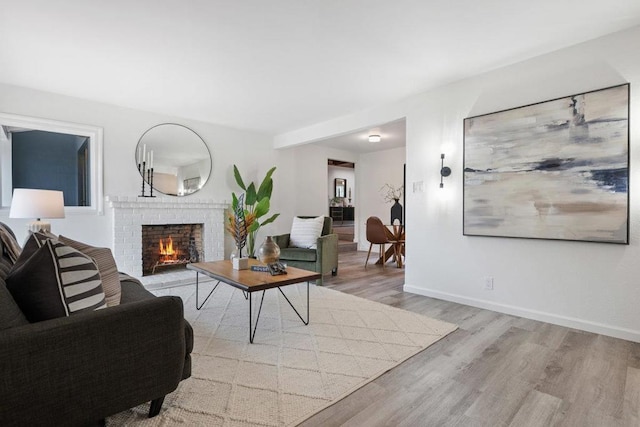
32, 203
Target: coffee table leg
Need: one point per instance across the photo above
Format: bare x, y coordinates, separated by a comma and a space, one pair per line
306, 322
199, 306
252, 333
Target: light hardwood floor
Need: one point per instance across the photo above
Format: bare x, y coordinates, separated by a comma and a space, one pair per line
495, 370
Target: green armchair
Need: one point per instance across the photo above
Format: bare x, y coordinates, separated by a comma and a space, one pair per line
322, 260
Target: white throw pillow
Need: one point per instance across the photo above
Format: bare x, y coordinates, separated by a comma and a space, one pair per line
305, 232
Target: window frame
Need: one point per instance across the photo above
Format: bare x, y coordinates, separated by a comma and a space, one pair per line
93, 133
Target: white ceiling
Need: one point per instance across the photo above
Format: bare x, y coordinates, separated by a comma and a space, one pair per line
392, 134
278, 65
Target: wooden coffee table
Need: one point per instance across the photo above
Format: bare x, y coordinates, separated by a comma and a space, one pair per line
251, 281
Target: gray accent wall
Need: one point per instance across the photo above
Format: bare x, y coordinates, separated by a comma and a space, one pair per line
46, 160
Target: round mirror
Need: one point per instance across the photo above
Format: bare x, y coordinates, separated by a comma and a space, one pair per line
177, 156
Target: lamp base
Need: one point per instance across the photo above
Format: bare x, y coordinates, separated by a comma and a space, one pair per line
39, 226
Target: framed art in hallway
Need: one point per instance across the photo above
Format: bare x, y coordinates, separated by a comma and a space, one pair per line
557, 169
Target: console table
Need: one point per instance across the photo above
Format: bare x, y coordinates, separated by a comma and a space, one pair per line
341, 213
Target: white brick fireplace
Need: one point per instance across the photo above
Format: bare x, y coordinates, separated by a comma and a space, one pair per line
130, 213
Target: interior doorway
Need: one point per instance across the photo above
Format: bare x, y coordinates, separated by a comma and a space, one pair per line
342, 202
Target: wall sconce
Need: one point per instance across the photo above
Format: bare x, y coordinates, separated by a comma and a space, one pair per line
374, 138
444, 170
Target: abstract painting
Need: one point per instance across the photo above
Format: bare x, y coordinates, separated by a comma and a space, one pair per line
554, 170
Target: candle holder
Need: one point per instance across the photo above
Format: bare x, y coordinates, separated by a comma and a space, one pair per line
141, 168
150, 178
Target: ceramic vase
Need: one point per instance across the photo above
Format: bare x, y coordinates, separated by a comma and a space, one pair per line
396, 212
238, 263
269, 251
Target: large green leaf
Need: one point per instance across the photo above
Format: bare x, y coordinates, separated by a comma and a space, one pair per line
265, 189
270, 172
239, 181
252, 197
270, 219
254, 227
266, 186
234, 201
262, 207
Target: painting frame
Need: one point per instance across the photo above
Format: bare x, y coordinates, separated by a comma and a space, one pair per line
191, 185
551, 170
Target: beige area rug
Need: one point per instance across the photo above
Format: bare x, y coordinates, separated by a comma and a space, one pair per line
291, 371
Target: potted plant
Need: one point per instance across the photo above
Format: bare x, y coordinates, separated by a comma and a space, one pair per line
256, 205
238, 224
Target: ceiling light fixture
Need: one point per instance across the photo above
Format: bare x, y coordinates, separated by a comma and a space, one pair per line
374, 138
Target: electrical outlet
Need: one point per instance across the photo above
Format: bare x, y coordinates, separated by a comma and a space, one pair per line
418, 187
488, 283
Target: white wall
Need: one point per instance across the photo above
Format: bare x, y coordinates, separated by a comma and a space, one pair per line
309, 177
123, 127
592, 286
374, 170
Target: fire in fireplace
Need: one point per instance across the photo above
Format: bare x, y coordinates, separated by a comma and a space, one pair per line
170, 246
167, 253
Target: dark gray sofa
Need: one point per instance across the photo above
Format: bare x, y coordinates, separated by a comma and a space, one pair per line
78, 370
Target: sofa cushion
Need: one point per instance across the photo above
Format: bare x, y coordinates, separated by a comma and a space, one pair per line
33, 243
9, 246
298, 254
305, 232
107, 266
55, 281
10, 314
133, 290
5, 267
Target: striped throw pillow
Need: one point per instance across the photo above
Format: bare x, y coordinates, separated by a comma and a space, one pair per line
55, 281
305, 232
107, 266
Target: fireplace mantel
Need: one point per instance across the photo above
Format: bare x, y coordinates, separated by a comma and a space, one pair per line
129, 213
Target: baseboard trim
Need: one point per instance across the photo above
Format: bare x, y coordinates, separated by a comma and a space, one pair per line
569, 322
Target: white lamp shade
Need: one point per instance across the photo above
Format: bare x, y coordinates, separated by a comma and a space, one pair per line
31, 203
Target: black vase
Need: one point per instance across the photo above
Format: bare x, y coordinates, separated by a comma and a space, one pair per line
396, 212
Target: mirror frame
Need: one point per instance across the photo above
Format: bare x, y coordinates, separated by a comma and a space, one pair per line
208, 177
95, 135
340, 184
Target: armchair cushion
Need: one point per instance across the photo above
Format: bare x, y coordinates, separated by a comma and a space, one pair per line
305, 232
298, 254
282, 241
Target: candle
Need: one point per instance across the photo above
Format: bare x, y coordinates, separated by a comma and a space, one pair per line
144, 152
349, 192
139, 157
151, 159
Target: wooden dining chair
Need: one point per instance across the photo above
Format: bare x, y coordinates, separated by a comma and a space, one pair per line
377, 235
